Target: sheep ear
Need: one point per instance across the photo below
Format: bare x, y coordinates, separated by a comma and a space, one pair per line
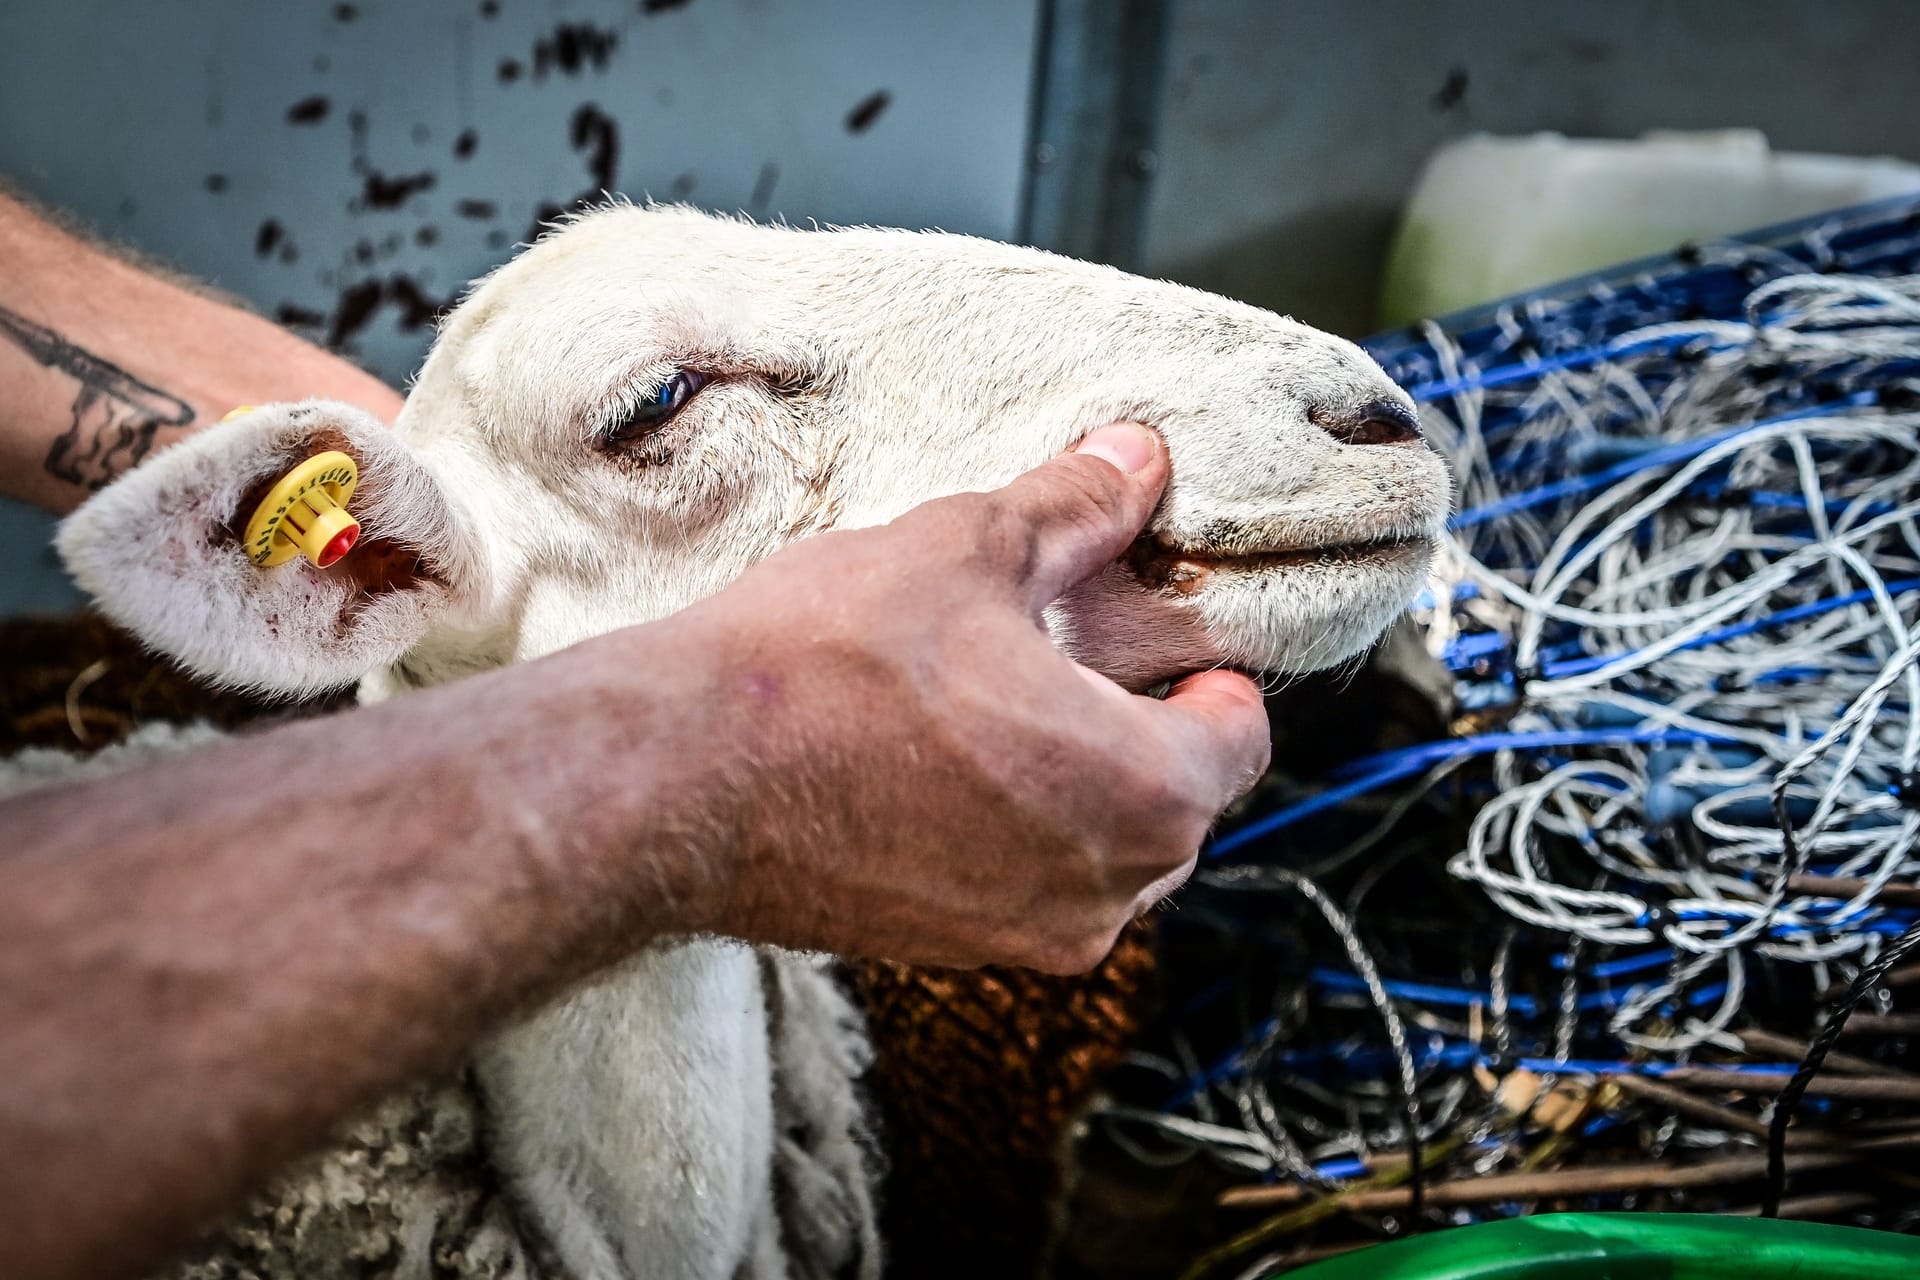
161, 550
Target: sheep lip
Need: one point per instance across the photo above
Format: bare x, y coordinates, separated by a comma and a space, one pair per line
1187, 569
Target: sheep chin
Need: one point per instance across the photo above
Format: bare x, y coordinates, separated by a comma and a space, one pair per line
1304, 615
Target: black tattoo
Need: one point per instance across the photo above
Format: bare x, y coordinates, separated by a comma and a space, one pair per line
115, 415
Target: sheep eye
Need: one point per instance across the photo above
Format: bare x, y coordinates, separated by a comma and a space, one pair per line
657, 408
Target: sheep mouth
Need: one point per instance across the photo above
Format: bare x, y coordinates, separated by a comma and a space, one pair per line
1185, 570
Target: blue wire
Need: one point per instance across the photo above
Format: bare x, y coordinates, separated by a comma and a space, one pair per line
1625, 964
1779, 500
1435, 995
1464, 653
1609, 998
1331, 979
1679, 451
1612, 1067
1480, 744
1331, 798
1374, 772
1580, 666
1500, 375
1351, 1168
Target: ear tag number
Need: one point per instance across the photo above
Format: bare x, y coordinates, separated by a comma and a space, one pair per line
305, 513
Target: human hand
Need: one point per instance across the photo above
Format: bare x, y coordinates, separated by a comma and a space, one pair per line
917, 773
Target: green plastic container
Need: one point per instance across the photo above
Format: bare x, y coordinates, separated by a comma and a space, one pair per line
1632, 1246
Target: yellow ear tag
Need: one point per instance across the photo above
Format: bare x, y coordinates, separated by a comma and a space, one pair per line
305, 513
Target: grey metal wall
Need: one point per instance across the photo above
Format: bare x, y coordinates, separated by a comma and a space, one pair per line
346, 167
1293, 131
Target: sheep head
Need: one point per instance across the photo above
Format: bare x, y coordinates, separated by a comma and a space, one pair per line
629, 414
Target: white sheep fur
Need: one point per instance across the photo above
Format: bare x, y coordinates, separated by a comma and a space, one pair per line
640, 1122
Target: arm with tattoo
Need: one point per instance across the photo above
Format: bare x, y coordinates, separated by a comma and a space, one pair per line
103, 361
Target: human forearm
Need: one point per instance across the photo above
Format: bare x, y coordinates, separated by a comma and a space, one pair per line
207, 962
867, 745
102, 362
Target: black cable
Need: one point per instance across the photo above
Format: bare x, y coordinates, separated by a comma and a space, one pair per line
1499, 1005
1788, 1102
1362, 960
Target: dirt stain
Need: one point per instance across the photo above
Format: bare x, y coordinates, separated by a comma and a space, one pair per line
572, 48
868, 110
598, 134
309, 110
269, 236
761, 201
382, 191
1452, 91
359, 303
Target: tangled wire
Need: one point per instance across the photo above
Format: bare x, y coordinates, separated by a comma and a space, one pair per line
1680, 605
1722, 625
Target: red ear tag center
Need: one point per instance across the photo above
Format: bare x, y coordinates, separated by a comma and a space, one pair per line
342, 543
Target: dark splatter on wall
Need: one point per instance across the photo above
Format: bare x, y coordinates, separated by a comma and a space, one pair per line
357, 141
569, 49
387, 267
572, 48
763, 185
269, 236
309, 110
359, 303
1452, 92
598, 134
380, 191
868, 110
296, 317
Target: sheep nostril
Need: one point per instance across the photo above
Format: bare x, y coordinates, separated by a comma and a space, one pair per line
1376, 422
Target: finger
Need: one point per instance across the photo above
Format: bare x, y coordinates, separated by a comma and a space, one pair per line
1072, 516
1219, 721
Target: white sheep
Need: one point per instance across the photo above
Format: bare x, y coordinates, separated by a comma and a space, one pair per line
619, 422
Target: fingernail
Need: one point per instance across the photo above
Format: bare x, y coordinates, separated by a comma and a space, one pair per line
1126, 445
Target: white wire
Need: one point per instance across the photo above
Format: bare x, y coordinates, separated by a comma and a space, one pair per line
1646, 575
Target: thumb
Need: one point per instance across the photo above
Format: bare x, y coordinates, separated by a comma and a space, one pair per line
1068, 518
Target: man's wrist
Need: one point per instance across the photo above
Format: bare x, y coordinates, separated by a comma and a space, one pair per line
618, 755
